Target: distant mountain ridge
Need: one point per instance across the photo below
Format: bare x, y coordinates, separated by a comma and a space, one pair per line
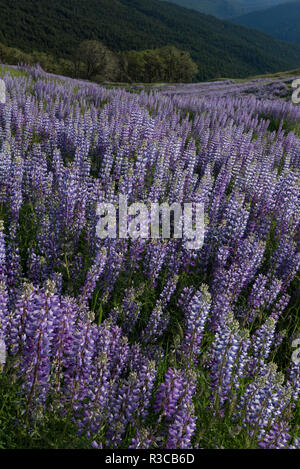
220, 48
227, 9
282, 22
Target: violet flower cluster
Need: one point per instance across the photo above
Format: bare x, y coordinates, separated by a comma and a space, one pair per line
129, 338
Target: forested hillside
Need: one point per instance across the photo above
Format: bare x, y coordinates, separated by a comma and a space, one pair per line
282, 22
219, 48
227, 8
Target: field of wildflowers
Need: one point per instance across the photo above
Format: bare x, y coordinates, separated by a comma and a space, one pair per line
122, 343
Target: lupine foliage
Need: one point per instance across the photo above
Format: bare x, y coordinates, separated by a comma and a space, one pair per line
121, 343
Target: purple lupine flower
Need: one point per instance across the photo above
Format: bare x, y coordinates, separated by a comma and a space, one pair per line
294, 379
265, 404
132, 400
262, 342
37, 341
229, 358
131, 309
143, 439
174, 404
181, 431
195, 319
94, 275
3, 292
159, 319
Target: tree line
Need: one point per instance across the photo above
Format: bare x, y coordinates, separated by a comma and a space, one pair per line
92, 60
